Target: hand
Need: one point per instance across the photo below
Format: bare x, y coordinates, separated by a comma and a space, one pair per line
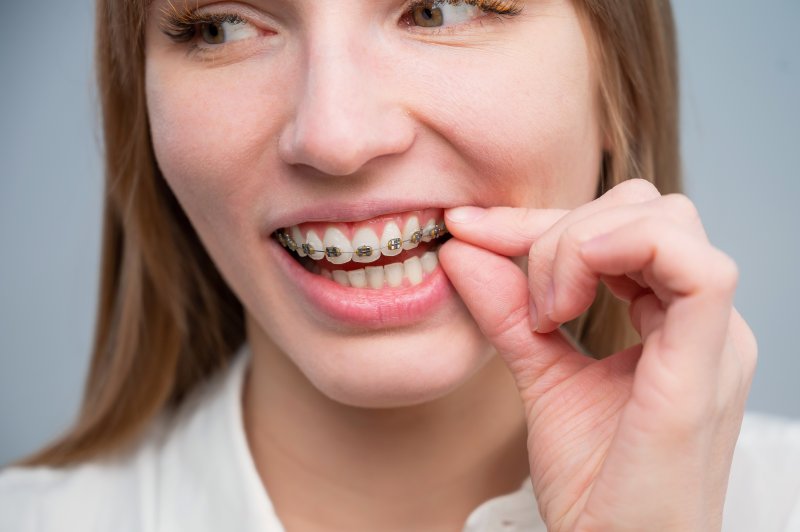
642, 439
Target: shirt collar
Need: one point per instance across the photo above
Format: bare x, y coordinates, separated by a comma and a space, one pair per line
205, 446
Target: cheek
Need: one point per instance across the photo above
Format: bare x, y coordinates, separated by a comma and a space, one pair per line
525, 116
207, 132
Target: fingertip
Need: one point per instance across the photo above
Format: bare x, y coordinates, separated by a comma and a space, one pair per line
463, 215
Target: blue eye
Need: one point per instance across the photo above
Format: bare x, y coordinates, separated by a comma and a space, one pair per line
437, 13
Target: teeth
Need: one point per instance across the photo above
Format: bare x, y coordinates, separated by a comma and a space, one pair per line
313, 240
375, 276
413, 269
335, 240
340, 276
426, 231
297, 236
366, 246
357, 278
429, 261
394, 274
391, 234
410, 233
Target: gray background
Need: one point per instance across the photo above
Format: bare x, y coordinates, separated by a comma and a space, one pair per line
741, 140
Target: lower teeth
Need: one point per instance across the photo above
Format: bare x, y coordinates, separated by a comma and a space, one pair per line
409, 272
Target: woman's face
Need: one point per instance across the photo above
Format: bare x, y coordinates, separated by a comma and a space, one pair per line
344, 123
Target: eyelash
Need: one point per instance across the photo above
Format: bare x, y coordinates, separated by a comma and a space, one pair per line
181, 26
499, 7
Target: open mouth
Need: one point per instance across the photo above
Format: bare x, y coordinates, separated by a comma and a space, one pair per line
392, 251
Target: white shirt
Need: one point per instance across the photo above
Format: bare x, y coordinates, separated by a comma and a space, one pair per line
194, 472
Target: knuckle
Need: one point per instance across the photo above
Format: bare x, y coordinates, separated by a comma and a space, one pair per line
638, 189
682, 206
571, 237
689, 418
748, 349
724, 275
516, 318
522, 221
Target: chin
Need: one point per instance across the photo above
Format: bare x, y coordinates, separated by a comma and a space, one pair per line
397, 368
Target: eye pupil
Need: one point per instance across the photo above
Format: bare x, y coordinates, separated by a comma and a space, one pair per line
427, 17
213, 33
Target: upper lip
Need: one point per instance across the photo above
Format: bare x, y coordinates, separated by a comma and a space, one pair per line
355, 211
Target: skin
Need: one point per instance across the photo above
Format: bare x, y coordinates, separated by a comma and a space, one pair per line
336, 102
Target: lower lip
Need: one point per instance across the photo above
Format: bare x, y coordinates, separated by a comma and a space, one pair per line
365, 307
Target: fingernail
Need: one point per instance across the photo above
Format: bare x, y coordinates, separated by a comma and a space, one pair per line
465, 214
594, 244
533, 316
548, 301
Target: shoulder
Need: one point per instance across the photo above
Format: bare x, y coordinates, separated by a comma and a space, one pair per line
764, 486
184, 472
108, 494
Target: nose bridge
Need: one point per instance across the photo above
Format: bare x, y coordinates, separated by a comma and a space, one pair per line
343, 116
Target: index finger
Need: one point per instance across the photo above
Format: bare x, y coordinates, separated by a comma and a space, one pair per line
509, 231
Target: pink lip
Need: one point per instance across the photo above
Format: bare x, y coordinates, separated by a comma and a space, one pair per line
333, 211
362, 307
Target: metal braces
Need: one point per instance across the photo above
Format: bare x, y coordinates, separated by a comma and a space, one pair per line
362, 251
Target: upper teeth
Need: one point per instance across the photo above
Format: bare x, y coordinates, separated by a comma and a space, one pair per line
365, 246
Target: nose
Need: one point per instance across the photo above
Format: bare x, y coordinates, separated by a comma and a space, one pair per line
345, 114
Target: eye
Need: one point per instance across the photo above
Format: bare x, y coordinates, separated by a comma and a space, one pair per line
213, 28
437, 13
231, 29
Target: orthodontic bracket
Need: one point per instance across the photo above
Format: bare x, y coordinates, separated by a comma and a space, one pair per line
362, 251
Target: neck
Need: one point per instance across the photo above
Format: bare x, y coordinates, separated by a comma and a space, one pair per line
326, 465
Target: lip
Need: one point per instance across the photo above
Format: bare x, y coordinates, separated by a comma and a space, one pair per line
340, 212
362, 307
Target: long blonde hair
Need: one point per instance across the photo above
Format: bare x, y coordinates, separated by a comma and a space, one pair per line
166, 319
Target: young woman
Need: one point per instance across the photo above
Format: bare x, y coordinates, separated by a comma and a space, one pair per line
402, 265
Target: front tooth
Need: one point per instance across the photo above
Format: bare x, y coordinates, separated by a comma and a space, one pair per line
314, 241
427, 230
297, 236
335, 238
391, 233
375, 276
366, 239
357, 278
413, 269
394, 274
411, 227
340, 276
429, 261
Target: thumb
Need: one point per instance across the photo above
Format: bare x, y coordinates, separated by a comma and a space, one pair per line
495, 291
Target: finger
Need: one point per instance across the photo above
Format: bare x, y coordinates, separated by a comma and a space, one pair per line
495, 292
563, 285
623, 287
701, 281
506, 231
511, 231
647, 313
